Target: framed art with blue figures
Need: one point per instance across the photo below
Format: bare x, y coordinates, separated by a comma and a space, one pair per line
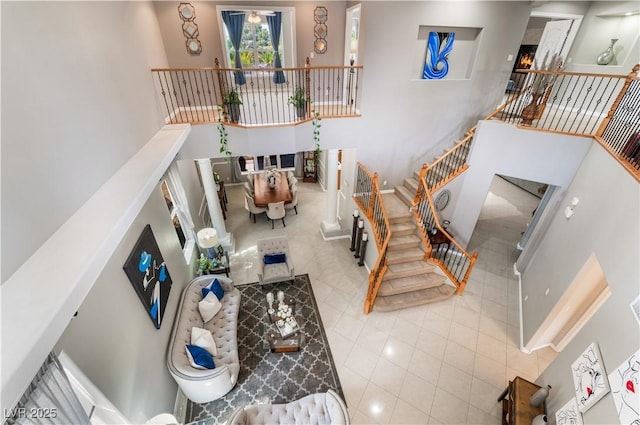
149, 276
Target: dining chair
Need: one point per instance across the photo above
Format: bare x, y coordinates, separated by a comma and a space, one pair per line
276, 211
249, 205
293, 205
248, 189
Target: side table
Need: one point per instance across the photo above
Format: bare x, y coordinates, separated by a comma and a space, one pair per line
224, 266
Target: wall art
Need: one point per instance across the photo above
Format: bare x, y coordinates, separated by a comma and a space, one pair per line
436, 63
187, 14
589, 378
320, 29
625, 387
569, 414
149, 276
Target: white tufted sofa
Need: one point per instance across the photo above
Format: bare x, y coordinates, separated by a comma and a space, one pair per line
272, 273
202, 386
315, 409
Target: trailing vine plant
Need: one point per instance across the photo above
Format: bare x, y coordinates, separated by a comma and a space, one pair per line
224, 136
316, 131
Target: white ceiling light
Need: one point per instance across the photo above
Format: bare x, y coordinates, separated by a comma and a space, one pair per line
254, 18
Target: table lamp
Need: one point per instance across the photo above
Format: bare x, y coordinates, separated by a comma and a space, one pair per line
207, 240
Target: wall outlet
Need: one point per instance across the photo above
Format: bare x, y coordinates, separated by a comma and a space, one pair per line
509, 58
384, 183
546, 292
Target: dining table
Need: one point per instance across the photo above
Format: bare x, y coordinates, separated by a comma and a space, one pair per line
265, 195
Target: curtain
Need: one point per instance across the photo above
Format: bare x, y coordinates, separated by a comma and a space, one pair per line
275, 26
174, 184
234, 20
49, 399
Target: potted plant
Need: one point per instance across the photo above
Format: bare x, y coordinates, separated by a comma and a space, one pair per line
299, 101
232, 102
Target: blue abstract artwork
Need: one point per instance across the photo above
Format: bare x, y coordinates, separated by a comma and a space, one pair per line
436, 64
149, 276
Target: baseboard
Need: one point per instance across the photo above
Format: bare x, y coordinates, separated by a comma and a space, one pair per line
180, 406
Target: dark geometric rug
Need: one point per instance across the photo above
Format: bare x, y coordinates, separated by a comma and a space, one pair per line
278, 377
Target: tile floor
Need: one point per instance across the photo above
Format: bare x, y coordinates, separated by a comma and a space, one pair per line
444, 363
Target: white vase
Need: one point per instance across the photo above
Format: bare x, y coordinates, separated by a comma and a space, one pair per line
539, 396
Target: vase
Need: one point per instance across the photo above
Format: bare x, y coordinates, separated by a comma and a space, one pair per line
607, 56
538, 398
271, 181
530, 112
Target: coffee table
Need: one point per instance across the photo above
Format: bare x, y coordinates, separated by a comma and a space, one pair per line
279, 339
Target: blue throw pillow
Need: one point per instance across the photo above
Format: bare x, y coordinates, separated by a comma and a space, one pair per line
214, 287
199, 357
275, 258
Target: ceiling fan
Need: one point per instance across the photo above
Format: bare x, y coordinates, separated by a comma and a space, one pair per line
254, 15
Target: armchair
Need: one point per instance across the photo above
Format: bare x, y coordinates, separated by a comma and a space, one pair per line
278, 272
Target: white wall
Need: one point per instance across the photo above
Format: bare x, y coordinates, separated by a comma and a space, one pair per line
113, 340
406, 121
605, 223
500, 148
79, 101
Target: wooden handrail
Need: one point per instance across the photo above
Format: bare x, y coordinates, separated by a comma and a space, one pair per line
299, 68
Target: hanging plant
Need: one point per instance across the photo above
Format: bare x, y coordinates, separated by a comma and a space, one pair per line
224, 136
316, 131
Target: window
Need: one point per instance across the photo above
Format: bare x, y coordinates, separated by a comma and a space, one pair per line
256, 49
185, 234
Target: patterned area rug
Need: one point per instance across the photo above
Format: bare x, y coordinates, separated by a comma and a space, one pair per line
277, 377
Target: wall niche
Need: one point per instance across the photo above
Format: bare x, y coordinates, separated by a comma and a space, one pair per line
460, 59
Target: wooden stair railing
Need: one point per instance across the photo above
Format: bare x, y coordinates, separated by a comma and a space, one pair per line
368, 197
454, 261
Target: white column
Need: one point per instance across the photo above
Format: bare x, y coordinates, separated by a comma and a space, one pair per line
213, 204
330, 224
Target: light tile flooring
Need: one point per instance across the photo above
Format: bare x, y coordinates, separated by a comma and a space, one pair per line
444, 363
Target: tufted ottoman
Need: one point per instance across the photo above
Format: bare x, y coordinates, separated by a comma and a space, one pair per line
207, 385
314, 409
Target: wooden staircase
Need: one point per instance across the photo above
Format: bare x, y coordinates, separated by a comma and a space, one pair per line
410, 279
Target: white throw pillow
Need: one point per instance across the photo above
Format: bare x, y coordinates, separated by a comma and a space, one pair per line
209, 306
203, 339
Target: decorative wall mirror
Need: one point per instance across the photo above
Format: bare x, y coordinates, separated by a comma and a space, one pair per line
442, 200
320, 29
187, 12
189, 28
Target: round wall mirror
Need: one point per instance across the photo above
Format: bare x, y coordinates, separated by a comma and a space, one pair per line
442, 200
320, 46
187, 12
193, 46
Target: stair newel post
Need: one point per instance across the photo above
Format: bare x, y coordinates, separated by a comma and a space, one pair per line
363, 248
359, 237
354, 230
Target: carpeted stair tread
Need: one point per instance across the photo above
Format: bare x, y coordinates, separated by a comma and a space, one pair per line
415, 298
411, 184
403, 242
408, 268
410, 283
402, 229
397, 211
405, 195
404, 255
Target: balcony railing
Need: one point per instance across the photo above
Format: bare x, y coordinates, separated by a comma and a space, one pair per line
197, 95
606, 107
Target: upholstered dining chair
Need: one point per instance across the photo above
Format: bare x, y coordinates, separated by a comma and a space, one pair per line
250, 205
293, 205
248, 189
276, 211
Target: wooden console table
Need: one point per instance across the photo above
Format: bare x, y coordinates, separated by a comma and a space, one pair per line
516, 409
